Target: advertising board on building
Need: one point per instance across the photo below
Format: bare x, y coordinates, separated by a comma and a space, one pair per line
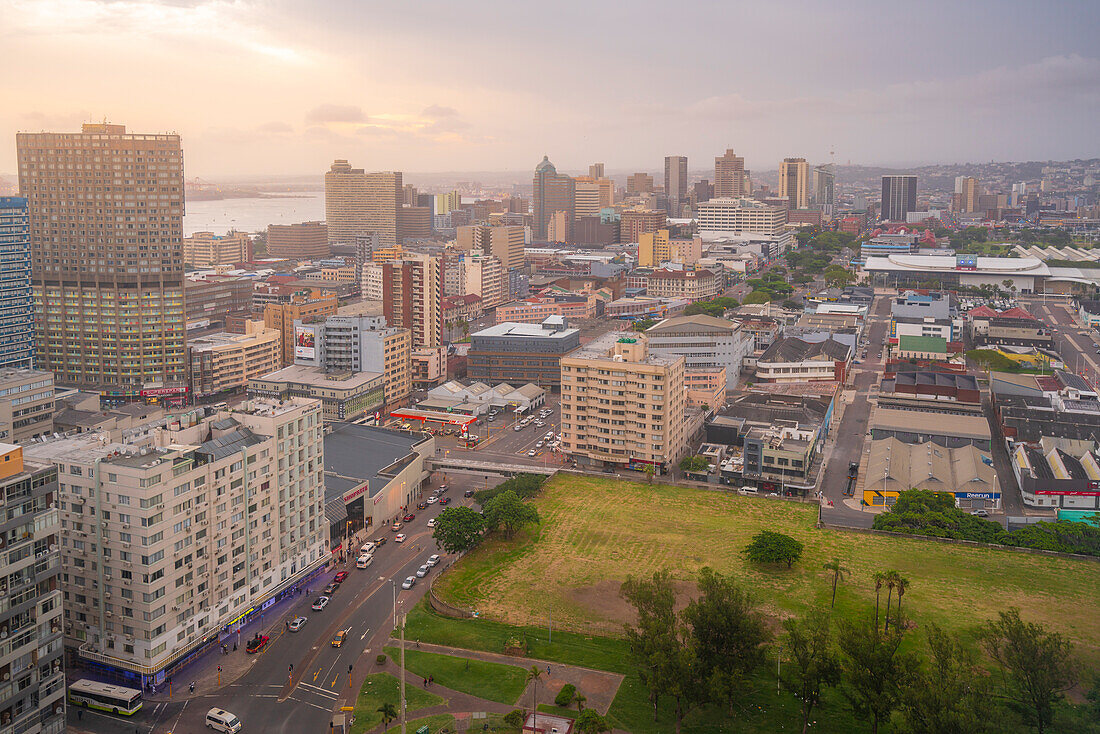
305, 342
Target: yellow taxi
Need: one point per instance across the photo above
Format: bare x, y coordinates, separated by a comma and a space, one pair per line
340, 637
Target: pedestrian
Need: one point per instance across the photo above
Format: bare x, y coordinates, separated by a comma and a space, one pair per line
79, 714
287, 625
425, 682
547, 671
431, 679
192, 686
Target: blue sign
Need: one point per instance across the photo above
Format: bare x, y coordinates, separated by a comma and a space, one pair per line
977, 495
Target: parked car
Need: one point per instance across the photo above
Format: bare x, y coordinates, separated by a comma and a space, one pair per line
423, 571
339, 578
421, 505
431, 522
434, 560
444, 500
409, 518
297, 623
519, 426
748, 490
532, 452
395, 527
400, 538
320, 604
443, 488
980, 513
538, 444
363, 561
432, 500
330, 589
409, 582
256, 644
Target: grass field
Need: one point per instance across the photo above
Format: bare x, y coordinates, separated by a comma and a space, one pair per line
596, 531
491, 681
435, 724
379, 688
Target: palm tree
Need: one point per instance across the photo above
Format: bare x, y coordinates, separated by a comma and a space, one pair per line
839, 571
902, 585
533, 676
891, 584
879, 577
388, 711
580, 698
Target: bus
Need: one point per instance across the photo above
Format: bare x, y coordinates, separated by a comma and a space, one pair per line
105, 697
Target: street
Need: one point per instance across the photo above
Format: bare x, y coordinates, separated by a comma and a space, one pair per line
267, 697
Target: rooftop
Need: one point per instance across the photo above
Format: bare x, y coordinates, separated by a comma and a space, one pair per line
517, 330
602, 347
936, 344
919, 421
355, 454
708, 323
316, 377
795, 349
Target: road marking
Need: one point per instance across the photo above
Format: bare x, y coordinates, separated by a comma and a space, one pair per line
316, 689
309, 703
333, 684
316, 674
362, 636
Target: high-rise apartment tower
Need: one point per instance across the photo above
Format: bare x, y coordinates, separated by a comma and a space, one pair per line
676, 182
794, 182
899, 197
16, 301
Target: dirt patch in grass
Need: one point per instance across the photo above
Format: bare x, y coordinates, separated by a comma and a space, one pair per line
605, 599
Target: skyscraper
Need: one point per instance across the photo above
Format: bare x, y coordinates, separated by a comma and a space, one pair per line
345, 202
412, 297
596, 170
966, 194
586, 197
16, 301
825, 188
899, 197
676, 182
553, 192
106, 219
730, 176
639, 183
794, 182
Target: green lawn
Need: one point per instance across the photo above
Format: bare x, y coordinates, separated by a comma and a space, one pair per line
436, 723
596, 531
491, 681
379, 688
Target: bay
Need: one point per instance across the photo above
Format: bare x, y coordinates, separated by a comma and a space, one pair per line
252, 214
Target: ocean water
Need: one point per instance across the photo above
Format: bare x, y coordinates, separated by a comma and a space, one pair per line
252, 215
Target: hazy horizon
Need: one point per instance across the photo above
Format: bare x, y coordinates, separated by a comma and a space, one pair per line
276, 88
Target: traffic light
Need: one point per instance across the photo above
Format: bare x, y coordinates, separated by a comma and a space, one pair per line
349, 669
291, 666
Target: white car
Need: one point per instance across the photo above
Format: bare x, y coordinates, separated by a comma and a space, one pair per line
538, 445
432, 500
532, 452
363, 561
434, 560
431, 522
423, 571
296, 624
549, 434
321, 603
519, 427
400, 538
409, 582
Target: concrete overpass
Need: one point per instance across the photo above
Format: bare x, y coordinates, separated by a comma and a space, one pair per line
489, 467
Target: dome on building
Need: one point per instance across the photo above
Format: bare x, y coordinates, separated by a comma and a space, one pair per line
546, 165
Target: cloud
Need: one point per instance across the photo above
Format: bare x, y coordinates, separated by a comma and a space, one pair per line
436, 111
277, 128
335, 113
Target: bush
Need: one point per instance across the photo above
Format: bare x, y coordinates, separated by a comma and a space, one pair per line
566, 695
515, 718
381, 660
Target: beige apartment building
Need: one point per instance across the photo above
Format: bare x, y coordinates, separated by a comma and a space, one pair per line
621, 406
730, 177
732, 215
206, 249
692, 285
26, 404
225, 362
344, 396
384, 194
412, 298
301, 241
504, 242
484, 277
345, 202
106, 220
303, 306
175, 536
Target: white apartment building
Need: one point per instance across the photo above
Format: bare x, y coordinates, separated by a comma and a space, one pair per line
174, 534
740, 215
623, 406
484, 277
370, 283
704, 341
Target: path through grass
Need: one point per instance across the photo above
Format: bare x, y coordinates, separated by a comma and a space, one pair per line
491, 681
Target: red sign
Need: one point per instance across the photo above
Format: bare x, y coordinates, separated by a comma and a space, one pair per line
157, 391
1068, 494
357, 492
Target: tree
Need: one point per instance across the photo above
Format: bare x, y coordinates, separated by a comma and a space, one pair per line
458, 529
590, 722
388, 711
649, 471
566, 695
643, 324
879, 578
534, 673
839, 572
508, 512
729, 634
758, 297
874, 670
694, 463
771, 547
901, 584
653, 640
580, 700
813, 664
950, 694
1036, 666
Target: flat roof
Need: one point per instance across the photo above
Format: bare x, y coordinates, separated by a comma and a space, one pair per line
1023, 266
518, 330
355, 454
919, 421
318, 378
601, 346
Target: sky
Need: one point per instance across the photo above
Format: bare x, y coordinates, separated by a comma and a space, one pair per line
282, 87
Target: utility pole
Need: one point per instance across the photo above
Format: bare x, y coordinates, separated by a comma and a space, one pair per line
402, 674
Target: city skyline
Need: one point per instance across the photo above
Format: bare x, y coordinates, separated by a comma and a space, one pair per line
264, 88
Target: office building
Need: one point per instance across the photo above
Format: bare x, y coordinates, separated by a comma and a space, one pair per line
504, 242
346, 202
595, 170
224, 362
412, 297
586, 197
344, 396
16, 299
808, 358
724, 215
794, 182
26, 404
730, 177
384, 194
108, 289
623, 406
966, 196
513, 352
824, 196
183, 529
655, 248
211, 300
635, 222
536, 309
206, 249
639, 183
553, 192
302, 305
32, 695
413, 222
302, 241
676, 183
899, 197
690, 285
705, 342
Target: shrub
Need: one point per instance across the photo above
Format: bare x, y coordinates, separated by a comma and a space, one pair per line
524, 485
515, 718
565, 695
381, 660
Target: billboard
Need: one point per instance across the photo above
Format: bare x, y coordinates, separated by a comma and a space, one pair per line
305, 343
